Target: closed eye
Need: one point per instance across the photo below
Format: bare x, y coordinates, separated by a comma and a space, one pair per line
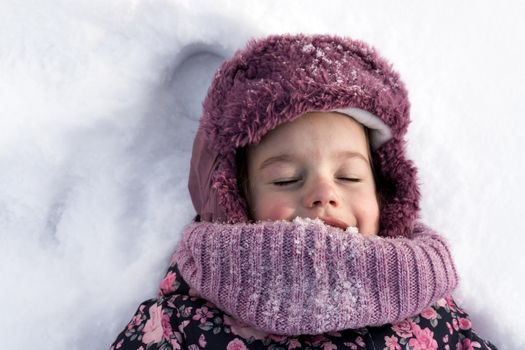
285, 182
350, 179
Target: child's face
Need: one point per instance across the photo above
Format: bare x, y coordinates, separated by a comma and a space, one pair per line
316, 166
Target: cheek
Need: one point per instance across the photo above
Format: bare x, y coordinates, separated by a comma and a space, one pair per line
273, 209
369, 217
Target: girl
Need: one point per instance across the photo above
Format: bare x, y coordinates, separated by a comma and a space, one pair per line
307, 232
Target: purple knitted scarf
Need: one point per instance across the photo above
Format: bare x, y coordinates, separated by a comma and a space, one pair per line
304, 277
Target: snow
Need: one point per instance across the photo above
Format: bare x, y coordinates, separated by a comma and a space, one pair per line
99, 104
308, 48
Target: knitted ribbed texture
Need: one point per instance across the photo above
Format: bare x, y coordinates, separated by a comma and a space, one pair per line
304, 277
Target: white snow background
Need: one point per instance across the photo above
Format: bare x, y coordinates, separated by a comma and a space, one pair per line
99, 102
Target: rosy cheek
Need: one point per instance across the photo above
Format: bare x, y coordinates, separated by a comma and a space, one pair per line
276, 209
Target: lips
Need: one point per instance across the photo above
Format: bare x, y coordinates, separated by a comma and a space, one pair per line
334, 222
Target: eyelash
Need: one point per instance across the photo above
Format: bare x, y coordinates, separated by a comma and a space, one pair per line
351, 179
292, 181
284, 183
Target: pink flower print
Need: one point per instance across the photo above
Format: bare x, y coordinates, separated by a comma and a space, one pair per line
403, 328
441, 302
137, 320
236, 344
119, 344
166, 286
243, 330
202, 341
450, 304
193, 293
202, 314
166, 325
445, 339
316, 339
465, 324
329, 346
175, 345
391, 343
429, 313
424, 339
467, 344
176, 341
359, 341
455, 324
334, 334
153, 329
450, 328
186, 311
210, 305
183, 325
277, 337
351, 345
293, 344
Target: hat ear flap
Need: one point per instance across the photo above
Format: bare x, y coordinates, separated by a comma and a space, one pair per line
397, 188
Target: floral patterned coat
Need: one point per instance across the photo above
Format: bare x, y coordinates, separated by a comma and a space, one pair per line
179, 319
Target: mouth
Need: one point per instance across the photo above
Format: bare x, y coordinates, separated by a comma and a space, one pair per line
334, 223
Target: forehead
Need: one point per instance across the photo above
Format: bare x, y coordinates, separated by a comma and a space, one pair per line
313, 134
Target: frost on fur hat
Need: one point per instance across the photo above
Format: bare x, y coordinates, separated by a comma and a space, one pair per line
276, 79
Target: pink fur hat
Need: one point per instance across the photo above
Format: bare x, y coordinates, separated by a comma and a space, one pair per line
276, 79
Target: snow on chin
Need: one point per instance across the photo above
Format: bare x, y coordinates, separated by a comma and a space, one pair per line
352, 229
308, 221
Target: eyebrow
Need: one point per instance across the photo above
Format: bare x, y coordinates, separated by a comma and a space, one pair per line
286, 157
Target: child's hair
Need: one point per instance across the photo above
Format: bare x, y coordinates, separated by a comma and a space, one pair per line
279, 78
241, 167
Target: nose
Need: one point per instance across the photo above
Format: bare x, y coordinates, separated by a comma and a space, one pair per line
321, 193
